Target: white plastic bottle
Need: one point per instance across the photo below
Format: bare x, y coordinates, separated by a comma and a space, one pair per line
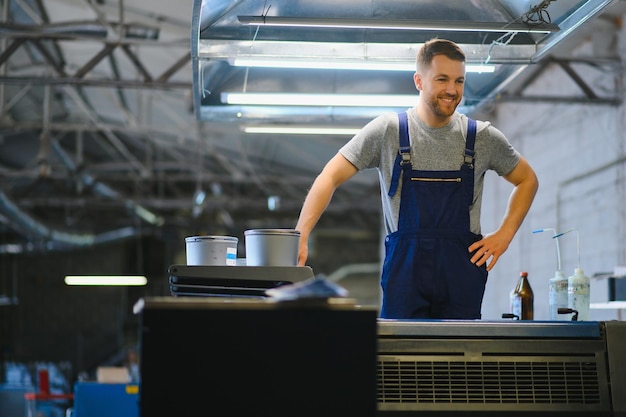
557, 286
558, 296
578, 293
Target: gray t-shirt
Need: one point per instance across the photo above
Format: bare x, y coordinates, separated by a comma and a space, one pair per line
432, 149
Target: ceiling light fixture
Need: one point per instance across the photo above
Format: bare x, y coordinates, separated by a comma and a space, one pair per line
397, 24
350, 100
302, 130
98, 280
344, 65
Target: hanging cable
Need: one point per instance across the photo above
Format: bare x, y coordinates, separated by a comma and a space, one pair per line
538, 14
501, 41
535, 16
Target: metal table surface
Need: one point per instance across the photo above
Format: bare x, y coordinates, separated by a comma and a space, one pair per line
490, 328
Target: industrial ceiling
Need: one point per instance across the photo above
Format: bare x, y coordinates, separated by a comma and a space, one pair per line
114, 121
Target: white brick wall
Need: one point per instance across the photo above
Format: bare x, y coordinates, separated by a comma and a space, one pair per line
579, 154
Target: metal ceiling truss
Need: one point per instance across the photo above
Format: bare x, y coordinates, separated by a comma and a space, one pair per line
612, 95
85, 75
40, 45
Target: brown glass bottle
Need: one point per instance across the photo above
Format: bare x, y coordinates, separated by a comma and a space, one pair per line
522, 298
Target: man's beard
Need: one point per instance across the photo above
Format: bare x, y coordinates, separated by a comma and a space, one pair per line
442, 111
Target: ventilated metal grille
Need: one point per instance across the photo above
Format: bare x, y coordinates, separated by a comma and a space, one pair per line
418, 381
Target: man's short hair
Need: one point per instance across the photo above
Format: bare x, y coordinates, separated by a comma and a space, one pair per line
435, 47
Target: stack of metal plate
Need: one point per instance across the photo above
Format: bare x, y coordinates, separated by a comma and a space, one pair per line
232, 281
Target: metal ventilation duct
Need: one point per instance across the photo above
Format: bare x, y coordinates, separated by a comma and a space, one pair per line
219, 36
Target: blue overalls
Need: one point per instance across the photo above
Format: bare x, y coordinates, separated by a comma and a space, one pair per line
427, 271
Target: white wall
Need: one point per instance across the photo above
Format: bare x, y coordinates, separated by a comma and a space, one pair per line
579, 154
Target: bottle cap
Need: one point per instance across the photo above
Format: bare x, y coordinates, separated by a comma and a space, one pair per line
523, 274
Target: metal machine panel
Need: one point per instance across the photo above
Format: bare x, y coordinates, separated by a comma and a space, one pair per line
497, 329
616, 353
497, 368
244, 357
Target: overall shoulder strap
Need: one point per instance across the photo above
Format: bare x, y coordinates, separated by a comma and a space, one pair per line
470, 140
403, 159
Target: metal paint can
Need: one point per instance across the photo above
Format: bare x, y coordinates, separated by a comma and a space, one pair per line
272, 247
211, 250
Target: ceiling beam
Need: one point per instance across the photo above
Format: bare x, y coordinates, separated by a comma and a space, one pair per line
614, 97
84, 75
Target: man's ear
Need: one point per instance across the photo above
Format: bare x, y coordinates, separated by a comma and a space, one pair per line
417, 79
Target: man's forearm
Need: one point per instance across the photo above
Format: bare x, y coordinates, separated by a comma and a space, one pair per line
315, 204
520, 200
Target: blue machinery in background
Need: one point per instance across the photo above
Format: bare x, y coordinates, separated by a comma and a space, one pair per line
93, 399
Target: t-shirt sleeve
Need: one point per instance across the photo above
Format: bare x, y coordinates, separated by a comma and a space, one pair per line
365, 149
505, 156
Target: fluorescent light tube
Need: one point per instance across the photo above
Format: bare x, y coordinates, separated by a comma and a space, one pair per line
397, 24
319, 64
302, 130
124, 280
354, 100
344, 65
480, 68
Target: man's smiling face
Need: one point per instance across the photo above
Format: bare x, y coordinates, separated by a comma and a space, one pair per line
441, 89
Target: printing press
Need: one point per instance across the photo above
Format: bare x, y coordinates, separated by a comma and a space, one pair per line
439, 367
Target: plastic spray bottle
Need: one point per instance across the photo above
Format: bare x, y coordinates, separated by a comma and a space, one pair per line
557, 286
578, 293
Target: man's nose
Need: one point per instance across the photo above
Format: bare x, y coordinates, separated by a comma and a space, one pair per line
451, 88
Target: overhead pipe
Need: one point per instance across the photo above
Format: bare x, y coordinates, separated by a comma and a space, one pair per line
104, 190
44, 238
